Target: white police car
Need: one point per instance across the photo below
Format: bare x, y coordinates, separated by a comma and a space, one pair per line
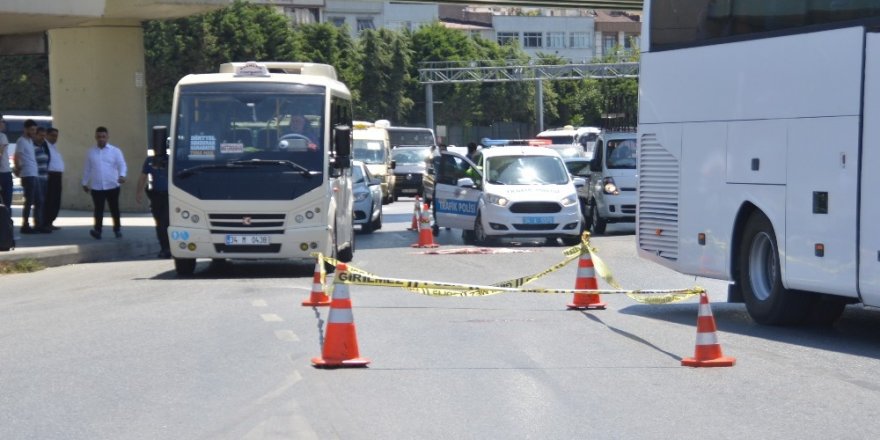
508, 192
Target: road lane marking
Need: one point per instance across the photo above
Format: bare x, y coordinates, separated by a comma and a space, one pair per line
286, 335
271, 317
259, 303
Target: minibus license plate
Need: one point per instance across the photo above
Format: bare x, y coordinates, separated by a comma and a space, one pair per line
239, 240
537, 220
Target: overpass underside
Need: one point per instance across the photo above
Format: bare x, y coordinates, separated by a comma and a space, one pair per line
96, 68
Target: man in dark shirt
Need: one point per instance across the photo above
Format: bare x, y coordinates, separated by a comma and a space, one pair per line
156, 169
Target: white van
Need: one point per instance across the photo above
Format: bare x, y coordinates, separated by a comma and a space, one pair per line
611, 182
372, 146
508, 192
569, 141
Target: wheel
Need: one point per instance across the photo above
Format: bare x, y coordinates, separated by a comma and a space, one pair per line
467, 236
347, 254
185, 266
378, 223
334, 252
571, 240
367, 227
767, 301
480, 236
597, 223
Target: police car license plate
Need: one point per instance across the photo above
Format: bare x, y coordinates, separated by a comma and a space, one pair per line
239, 240
537, 220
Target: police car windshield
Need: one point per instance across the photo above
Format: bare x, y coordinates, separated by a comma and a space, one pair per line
526, 170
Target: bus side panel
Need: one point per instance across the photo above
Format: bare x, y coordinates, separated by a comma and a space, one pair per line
707, 209
869, 238
732, 81
821, 201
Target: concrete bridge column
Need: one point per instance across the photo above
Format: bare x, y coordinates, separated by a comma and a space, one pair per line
97, 78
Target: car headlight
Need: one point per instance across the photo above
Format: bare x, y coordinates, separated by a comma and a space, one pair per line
360, 197
609, 187
569, 201
496, 199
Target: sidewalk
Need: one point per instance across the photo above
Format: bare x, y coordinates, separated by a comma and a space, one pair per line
73, 244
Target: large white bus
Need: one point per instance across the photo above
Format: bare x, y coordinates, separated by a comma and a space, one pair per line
259, 164
759, 124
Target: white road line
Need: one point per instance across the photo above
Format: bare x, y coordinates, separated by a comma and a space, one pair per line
286, 335
271, 317
259, 303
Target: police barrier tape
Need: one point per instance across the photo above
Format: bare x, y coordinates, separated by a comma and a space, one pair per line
431, 288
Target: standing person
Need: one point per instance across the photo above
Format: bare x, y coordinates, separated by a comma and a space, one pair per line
56, 170
156, 168
41, 154
471, 150
26, 169
103, 172
5, 169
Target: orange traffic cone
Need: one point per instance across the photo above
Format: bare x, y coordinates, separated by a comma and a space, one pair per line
426, 234
415, 218
318, 297
340, 344
586, 280
708, 350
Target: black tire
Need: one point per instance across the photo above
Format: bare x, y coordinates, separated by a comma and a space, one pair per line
597, 223
185, 266
467, 236
367, 227
378, 223
480, 236
347, 254
759, 276
571, 241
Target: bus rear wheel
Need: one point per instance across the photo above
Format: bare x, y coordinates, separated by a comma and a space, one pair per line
767, 300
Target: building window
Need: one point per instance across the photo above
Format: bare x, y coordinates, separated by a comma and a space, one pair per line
580, 40
365, 23
337, 21
533, 39
609, 42
556, 40
507, 38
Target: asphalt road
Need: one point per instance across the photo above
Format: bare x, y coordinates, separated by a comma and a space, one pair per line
125, 350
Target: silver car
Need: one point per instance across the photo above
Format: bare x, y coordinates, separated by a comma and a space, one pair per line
367, 192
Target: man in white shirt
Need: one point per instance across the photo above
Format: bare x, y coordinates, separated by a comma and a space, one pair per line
56, 170
5, 169
104, 170
26, 169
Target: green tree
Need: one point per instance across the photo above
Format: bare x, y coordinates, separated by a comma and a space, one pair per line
199, 44
25, 80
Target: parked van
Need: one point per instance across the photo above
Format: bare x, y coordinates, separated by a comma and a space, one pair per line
569, 141
612, 178
508, 192
372, 146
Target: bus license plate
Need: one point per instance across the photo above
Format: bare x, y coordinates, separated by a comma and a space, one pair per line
537, 220
243, 240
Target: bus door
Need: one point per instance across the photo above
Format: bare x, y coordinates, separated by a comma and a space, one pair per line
456, 206
869, 234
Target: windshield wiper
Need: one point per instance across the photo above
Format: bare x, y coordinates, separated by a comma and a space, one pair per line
288, 163
214, 166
